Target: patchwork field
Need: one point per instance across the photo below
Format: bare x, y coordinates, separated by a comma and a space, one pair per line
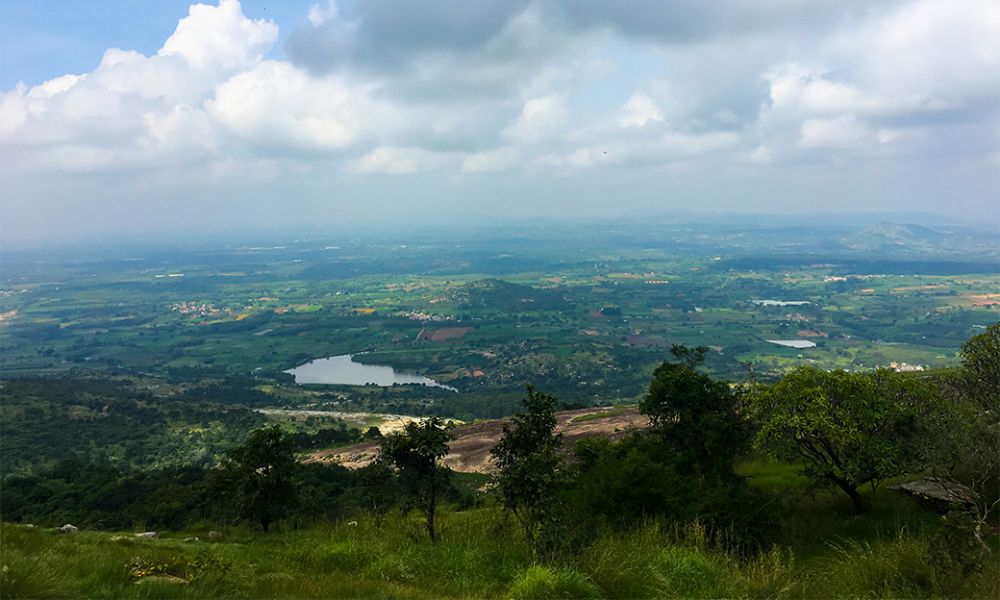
584, 313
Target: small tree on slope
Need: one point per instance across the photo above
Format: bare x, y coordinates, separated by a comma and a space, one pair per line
527, 478
261, 472
414, 454
695, 416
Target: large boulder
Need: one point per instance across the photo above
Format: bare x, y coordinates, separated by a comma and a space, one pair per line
146, 535
939, 494
67, 528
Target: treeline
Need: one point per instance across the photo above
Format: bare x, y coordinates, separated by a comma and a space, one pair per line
259, 481
113, 421
108, 420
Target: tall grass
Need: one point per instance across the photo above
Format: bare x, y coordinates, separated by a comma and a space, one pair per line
827, 553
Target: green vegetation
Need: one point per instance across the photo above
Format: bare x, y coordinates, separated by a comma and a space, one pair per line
134, 422
414, 454
829, 555
849, 429
582, 313
528, 477
133, 402
259, 475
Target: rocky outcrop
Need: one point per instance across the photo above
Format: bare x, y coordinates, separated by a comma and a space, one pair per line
939, 494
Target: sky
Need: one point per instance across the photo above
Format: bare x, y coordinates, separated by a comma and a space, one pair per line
137, 118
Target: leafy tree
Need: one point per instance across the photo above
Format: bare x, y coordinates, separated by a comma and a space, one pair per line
963, 452
624, 482
377, 490
527, 460
414, 453
963, 447
980, 374
695, 416
261, 472
850, 429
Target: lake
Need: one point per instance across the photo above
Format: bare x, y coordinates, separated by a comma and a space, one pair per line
800, 344
342, 370
781, 302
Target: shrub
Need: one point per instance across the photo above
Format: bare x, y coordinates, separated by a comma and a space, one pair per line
539, 583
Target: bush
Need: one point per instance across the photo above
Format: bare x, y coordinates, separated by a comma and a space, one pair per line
687, 571
635, 479
541, 583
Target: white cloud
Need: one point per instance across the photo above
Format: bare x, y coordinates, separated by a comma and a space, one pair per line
488, 162
391, 160
809, 90
277, 104
839, 132
319, 15
220, 37
135, 110
639, 110
890, 81
526, 90
540, 118
945, 51
55, 86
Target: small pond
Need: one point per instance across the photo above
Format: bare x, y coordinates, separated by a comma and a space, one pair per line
342, 370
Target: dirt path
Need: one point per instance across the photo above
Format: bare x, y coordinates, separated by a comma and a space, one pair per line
470, 448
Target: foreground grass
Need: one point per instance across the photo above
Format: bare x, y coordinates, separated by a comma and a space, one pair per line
826, 552
480, 555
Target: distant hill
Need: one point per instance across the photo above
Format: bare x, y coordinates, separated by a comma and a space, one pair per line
897, 239
506, 296
885, 235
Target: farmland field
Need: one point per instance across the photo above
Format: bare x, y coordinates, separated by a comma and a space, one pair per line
584, 312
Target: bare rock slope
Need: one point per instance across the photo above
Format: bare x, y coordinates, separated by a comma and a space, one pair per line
470, 446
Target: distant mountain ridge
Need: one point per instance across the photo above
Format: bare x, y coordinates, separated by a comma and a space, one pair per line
886, 235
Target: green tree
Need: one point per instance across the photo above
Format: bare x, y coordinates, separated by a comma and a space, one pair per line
695, 416
980, 373
414, 454
963, 452
849, 429
527, 459
261, 472
377, 490
963, 448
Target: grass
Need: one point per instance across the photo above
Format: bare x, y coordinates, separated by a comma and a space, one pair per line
827, 553
479, 556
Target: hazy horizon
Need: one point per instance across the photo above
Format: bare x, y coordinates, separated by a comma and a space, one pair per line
150, 119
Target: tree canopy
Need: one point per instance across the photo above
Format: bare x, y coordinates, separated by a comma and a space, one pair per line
849, 429
695, 415
261, 472
981, 369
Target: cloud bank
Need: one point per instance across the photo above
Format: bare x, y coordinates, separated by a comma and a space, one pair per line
768, 94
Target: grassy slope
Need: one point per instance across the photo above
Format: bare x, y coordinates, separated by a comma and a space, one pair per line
830, 554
